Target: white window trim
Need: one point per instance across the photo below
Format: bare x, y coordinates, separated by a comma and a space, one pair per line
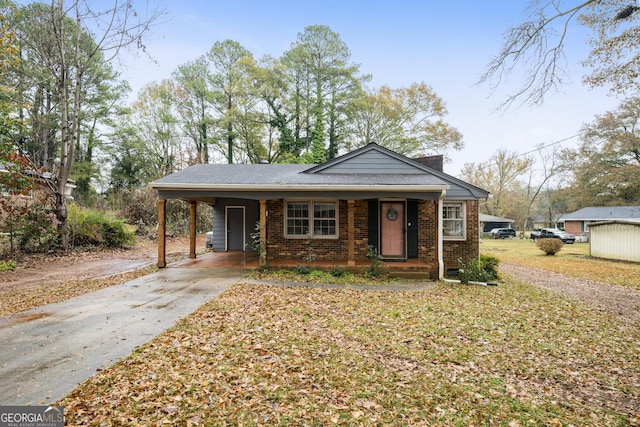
311, 211
464, 220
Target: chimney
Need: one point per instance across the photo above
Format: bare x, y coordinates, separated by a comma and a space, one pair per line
434, 162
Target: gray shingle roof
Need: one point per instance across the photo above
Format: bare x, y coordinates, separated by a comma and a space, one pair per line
604, 213
372, 171
285, 174
493, 218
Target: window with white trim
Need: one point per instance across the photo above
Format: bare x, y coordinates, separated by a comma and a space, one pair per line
311, 218
454, 221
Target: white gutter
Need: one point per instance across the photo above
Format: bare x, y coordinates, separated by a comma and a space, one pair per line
440, 236
297, 187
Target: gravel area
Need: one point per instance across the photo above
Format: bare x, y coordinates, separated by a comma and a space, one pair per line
618, 300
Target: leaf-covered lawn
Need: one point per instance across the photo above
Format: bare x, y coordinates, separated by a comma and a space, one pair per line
572, 260
510, 355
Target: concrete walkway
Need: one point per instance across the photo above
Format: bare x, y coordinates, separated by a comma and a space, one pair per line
46, 352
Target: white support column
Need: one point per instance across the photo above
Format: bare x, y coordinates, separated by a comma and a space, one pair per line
440, 236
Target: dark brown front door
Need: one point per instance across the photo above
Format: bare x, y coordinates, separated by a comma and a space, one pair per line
392, 229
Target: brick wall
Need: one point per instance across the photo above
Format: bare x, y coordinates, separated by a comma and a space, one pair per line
298, 249
361, 225
428, 235
280, 247
465, 249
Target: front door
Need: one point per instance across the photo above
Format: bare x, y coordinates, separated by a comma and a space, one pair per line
235, 228
392, 229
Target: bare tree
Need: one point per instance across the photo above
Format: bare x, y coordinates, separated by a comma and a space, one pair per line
111, 29
499, 175
537, 46
539, 178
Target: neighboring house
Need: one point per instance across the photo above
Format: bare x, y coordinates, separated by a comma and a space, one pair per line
45, 180
546, 222
372, 196
579, 221
489, 222
616, 239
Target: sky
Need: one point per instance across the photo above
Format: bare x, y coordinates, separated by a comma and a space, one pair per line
445, 44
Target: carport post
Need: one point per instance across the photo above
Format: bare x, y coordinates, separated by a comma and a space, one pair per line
192, 229
162, 239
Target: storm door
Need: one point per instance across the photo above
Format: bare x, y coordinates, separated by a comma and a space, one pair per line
235, 228
392, 229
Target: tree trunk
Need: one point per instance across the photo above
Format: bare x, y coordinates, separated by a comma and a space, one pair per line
229, 133
61, 216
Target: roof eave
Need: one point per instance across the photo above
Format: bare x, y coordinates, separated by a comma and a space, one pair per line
298, 187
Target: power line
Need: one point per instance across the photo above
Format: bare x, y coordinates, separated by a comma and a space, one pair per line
560, 141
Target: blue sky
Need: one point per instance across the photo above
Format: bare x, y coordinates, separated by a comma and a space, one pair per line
446, 44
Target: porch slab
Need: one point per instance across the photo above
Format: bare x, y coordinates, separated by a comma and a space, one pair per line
231, 259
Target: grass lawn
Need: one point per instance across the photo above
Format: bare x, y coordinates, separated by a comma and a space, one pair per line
572, 260
512, 355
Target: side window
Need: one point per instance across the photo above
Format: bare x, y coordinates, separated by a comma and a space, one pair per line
454, 221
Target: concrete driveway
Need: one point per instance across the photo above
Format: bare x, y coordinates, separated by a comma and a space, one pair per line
46, 352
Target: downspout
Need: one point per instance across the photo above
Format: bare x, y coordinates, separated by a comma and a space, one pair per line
440, 236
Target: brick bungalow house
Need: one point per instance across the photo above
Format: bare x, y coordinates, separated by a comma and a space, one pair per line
578, 222
408, 209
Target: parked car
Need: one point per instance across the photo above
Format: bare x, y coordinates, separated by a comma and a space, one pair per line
553, 233
502, 233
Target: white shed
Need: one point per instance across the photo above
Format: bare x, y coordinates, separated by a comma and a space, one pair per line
615, 240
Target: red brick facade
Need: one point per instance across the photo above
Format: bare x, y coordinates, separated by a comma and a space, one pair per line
467, 249
574, 227
299, 250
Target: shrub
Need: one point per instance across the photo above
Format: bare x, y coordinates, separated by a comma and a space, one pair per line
30, 221
490, 265
484, 269
376, 260
142, 211
302, 269
550, 246
8, 265
337, 271
89, 227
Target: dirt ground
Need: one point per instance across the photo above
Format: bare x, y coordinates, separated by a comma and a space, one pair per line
44, 270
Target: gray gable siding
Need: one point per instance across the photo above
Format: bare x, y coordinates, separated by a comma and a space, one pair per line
372, 162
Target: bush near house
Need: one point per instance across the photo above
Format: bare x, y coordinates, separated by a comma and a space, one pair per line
484, 269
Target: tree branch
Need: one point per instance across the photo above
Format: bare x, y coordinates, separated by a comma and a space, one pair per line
530, 46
